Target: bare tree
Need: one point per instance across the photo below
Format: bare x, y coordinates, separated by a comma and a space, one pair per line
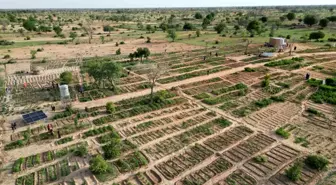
153, 72
248, 42
88, 29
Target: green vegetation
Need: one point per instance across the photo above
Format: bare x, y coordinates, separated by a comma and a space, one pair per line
282, 132
285, 62
81, 151
294, 172
260, 159
316, 162
66, 78
98, 165
64, 140
302, 141
110, 107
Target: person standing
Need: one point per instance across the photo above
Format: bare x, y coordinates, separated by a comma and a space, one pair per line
59, 134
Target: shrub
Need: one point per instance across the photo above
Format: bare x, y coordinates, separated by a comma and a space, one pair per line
5, 43
282, 132
260, 159
331, 82
248, 69
316, 35
316, 162
81, 151
110, 107
113, 149
263, 103
98, 165
280, 98
332, 39
6, 57
66, 77
294, 172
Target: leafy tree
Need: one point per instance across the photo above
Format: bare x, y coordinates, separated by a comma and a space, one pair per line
237, 27
98, 165
73, 36
254, 27
172, 34
290, 16
29, 25
163, 26
111, 71
332, 18
149, 27
220, 27
131, 56
110, 107
294, 172
188, 26
211, 16
58, 30
198, 15
198, 33
316, 35
264, 19
317, 162
310, 20
206, 23
324, 23
65, 77
282, 18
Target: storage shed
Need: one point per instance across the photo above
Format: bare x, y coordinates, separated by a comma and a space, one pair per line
278, 42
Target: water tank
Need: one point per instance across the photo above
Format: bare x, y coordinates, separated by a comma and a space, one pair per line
277, 42
64, 90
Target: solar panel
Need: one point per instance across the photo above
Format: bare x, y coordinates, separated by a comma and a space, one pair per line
34, 116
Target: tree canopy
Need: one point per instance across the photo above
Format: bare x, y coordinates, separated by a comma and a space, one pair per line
316, 35
172, 34
290, 16
98, 165
310, 20
254, 27
198, 15
324, 23
66, 77
220, 27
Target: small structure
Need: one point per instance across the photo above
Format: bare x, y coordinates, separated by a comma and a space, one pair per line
65, 95
278, 42
34, 117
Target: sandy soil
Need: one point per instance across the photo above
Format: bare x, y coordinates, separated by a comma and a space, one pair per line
90, 50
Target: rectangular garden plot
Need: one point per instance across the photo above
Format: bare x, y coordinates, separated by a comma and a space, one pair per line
182, 162
201, 176
248, 148
144, 126
265, 164
239, 177
177, 142
149, 177
150, 136
224, 140
307, 176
